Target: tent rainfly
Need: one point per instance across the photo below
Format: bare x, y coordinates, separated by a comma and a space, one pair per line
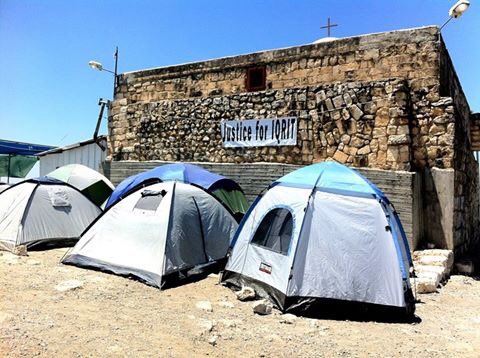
43, 210
226, 190
156, 233
322, 233
91, 183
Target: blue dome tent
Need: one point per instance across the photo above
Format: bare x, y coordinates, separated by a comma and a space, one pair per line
225, 190
322, 232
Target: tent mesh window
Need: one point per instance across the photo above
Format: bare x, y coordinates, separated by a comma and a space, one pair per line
275, 231
150, 200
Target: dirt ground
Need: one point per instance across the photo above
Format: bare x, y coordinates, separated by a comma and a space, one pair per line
111, 316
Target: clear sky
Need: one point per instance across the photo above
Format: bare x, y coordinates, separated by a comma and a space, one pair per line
49, 95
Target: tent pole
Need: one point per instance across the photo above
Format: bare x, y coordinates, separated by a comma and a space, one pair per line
301, 228
8, 169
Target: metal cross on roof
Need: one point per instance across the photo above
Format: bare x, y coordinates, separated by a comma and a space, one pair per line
328, 26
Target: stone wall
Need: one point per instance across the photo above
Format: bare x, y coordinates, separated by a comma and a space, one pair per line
389, 101
410, 54
402, 188
367, 101
466, 218
382, 124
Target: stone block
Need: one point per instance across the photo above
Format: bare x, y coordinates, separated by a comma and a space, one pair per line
427, 282
341, 157
403, 130
436, 129
364, 150
426, 270
393, 154
338, 102
356, 112
398, 139
428, 260
446, 254
329, 104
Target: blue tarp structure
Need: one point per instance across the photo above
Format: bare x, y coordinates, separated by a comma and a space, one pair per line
19, 148
17, 158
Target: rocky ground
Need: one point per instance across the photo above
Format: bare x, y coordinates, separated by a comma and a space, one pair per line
48, 309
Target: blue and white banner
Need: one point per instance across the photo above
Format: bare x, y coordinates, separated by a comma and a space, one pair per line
259, 132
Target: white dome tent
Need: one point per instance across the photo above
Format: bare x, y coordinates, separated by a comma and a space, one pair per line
322, 232
43, 210
156, 232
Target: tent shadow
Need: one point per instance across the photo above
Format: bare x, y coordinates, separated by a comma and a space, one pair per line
185, 277
52, 244
173, 280
354, 311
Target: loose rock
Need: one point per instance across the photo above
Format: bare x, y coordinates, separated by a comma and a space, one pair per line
213, 340
246, 294
205, 306
33, 262
229, 323
226, 304
206, 326
20, 250
4, 316
262, 307
288, 318
69, 285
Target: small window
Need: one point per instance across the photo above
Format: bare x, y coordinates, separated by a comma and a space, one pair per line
150, 200
275, 231
256, 79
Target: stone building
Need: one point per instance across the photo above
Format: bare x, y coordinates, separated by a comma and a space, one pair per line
389, 104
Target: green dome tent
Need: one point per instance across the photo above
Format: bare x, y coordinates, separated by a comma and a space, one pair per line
91, 183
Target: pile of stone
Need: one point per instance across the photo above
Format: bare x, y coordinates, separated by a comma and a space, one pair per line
432, 267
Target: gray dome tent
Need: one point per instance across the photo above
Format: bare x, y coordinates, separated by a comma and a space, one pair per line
323, 233
158, 231
43, 210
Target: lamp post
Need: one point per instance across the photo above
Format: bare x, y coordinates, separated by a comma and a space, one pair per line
101, 102
99, 67
456, 11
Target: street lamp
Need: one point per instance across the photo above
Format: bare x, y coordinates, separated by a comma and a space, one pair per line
104, 103
456, 11
99, 67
